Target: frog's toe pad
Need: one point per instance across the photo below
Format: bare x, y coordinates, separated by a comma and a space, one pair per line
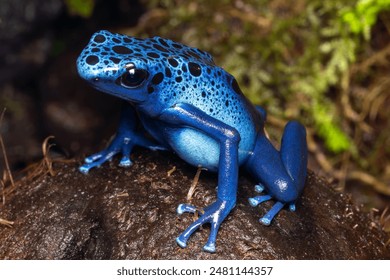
254, 201
259, 188
92, 158
185, 208
84, 169
181, 242
87, 166
209, 247
125, 162
265, 221
267, 218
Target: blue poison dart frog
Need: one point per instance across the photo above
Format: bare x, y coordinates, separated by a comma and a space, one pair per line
190, 106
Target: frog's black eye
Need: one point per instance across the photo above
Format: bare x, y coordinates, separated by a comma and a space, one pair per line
133, 77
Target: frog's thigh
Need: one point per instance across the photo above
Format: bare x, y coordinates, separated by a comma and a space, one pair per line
197, 148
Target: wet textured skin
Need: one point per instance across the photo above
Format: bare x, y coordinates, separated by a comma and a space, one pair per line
194, 108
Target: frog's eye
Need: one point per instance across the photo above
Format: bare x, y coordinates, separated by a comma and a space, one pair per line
133, 77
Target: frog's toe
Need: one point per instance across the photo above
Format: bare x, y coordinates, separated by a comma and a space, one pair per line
93, 157
209, 247
88, 166
125, 161
254, 201
181, 242
84, 169
259, 188
185, 208
267, 218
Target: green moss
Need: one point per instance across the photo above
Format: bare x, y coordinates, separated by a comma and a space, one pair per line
83, 8
363, 15
335, 139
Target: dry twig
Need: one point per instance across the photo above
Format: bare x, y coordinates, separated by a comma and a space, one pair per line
6, 222
370, 180
378, 58
191, 191
2, 146
169, 173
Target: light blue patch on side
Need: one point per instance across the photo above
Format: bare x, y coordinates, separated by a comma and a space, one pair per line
200, 149
197, 148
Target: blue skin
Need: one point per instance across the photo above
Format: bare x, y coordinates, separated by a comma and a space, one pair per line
194, 108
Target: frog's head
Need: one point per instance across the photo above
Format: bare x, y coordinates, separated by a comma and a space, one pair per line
110, 64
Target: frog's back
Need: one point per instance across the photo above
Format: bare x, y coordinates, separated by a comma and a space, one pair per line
176, 49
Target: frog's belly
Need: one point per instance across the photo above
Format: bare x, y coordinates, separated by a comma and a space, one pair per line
199, 149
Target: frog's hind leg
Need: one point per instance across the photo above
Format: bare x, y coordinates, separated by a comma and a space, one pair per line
293, 152
281, 174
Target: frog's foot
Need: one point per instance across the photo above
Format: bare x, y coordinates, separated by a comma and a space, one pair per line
122, 143
119, 145
213, 214
268, 217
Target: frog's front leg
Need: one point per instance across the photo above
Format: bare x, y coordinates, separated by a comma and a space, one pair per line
281, 174
229, 138
123, 142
